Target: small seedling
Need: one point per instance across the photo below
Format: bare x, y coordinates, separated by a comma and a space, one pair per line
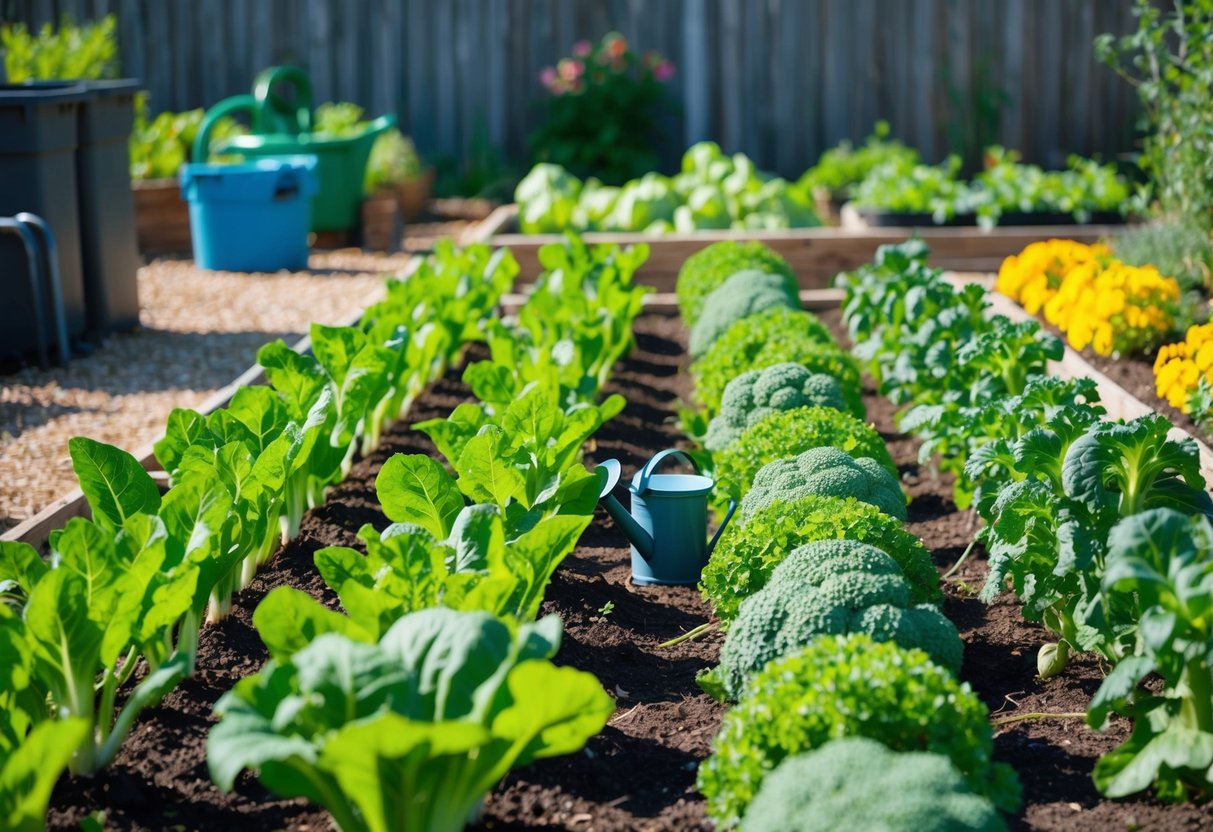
606, 609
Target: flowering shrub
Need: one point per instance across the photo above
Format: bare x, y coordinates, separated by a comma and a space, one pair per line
1095, 299
602, 107
1183, 373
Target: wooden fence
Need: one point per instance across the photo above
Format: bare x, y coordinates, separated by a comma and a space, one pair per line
778, 79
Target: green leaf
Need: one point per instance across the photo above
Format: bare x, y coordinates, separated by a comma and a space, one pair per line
113, 481
486, 475
288, 620
21, 564
29, 773
185, 428
414, 488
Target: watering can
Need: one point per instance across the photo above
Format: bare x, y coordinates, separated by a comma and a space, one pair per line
668, 523
284, 128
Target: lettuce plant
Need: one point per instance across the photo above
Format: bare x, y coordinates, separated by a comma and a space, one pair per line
412, 732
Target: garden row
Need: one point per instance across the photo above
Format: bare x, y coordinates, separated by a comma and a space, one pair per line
109, 624
835, 654
885, 179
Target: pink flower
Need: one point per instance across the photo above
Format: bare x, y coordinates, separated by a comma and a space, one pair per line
664, 71
547, 77
570, 69
582, 48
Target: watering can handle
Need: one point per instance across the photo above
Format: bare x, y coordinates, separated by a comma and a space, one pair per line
728, 515
272, 109
226, 107
650, 467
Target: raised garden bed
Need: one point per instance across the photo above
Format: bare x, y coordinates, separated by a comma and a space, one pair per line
639, 772
815, 254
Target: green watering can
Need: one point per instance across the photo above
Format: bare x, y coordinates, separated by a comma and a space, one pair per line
281, 127
668, 522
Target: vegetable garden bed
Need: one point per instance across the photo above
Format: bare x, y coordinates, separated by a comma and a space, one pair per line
815, 254
639, 772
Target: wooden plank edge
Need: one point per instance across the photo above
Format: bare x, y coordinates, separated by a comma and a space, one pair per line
36, 530
1119, 402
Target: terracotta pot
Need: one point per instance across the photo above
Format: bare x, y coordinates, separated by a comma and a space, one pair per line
162, 217
413, 194
381, 226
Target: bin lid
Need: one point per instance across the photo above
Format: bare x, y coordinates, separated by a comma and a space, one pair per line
254, 181
35, 93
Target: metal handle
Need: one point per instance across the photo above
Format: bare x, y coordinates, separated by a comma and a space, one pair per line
642, 481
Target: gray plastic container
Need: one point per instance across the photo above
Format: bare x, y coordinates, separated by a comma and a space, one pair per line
39, 127
110, 250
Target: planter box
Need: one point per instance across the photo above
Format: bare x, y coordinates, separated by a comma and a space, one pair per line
878, 218
414, 194
815, 254
162, 217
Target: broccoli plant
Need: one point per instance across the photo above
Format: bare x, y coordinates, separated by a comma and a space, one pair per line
850, 686
790, 432
752, 396
829, 472
743, 294
1160, 562
746, 555
831, 587
773, 336
831, 788
705, 270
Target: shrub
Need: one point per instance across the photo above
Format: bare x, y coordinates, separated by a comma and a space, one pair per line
745, 293
850, 686
830, 587
789, 433
774, 336
828, 472
751, 397
705, 270
746, 555
832, 788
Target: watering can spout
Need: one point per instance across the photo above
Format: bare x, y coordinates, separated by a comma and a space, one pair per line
634, 532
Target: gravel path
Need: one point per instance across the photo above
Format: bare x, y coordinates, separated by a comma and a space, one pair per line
200, 330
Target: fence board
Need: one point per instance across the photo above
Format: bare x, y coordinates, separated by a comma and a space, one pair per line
780, 79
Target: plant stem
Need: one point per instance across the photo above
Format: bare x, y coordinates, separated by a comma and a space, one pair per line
1038, 715
956, 566
690, 635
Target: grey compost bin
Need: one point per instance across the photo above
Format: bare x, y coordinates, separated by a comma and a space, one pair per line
110, 251
38, 139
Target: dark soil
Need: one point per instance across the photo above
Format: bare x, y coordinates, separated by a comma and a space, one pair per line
639, 773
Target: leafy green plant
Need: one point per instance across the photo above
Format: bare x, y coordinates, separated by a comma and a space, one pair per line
844, 166
1005, 186
601, 111
903, 187
85, 52
1159, 562
830, 587
773, 336
748, 553
160, 146
574, 326
832, 787
706, 270
411, 732
850, 686
789, 433
393, 159
751, 397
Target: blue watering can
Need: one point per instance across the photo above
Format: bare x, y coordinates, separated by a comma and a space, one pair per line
668, 522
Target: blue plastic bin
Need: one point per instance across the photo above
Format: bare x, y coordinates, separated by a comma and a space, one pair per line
251, 217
